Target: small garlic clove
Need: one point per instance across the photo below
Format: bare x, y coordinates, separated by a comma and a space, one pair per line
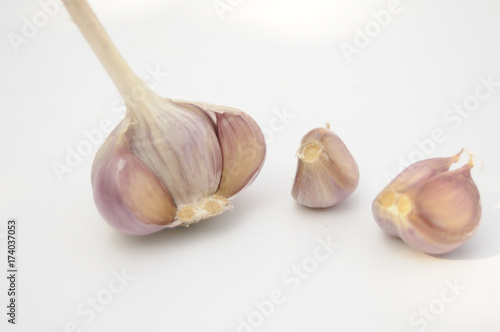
447, 212
435, 213
242, 145
383, 207
326, 171
127, 194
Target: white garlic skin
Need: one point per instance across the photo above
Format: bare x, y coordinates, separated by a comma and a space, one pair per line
326, 171
432, 209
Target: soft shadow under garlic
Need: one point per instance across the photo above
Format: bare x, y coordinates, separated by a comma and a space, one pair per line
178, 236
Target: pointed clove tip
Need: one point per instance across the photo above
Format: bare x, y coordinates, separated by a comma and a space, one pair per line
328, 125
470, 163
457, 156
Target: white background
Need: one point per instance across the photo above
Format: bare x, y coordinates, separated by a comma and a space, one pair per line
264, 57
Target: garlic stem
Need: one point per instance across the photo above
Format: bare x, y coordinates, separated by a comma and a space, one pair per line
122, 75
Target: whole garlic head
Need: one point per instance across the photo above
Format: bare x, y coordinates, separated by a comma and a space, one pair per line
176, 168
169, 162
432, 209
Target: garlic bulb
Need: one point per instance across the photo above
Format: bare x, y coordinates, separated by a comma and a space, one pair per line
431, 208
326, 171
168, 162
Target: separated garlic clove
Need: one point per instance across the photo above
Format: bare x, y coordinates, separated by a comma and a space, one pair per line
169, 162
326, 171
432, 209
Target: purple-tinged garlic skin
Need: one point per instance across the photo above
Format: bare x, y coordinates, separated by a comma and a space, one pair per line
432, 209
241, 142
127, 194
168, 163
172, 168
326, 171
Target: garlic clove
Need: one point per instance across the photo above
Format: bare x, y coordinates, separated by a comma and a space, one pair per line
447, 211
128, 195
242, 146
180, 146
326, 171
434, 214
243, 152
384, 205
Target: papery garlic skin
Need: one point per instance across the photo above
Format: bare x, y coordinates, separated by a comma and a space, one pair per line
168, 163
180, 146
127, 193
241, 142
187, 168
432, 209
326, 171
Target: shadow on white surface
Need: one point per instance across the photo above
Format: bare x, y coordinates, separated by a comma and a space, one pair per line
483, 244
